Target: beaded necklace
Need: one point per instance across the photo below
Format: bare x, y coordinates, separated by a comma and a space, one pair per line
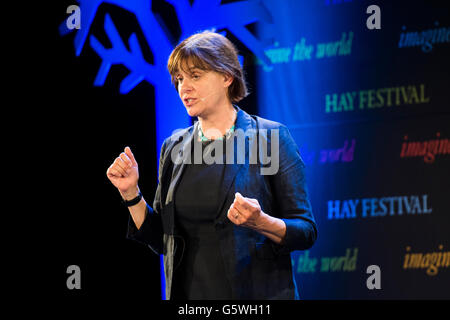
226, 135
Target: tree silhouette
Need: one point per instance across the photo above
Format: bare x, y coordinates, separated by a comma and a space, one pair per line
201, 15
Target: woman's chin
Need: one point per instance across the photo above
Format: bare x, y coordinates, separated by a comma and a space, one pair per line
192, 111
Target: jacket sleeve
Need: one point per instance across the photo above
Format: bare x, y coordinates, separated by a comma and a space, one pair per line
291, 197
151, 231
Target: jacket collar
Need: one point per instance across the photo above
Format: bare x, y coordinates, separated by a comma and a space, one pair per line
243, 119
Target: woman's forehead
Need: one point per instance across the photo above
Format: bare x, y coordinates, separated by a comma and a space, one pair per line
191, 64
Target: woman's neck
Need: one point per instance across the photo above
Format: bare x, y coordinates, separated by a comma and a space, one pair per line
216, 124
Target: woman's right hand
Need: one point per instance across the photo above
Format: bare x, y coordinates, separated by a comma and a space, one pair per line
124, 174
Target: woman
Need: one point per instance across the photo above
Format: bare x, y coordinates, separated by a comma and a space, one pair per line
226, 230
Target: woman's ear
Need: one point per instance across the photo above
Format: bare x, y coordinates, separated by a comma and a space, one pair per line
228, 80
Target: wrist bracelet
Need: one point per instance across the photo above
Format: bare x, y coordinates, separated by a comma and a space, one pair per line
132, 202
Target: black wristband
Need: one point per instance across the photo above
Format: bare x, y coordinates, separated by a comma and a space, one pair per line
132, 202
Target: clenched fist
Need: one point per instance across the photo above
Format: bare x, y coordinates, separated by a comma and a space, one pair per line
124, 174
245, 212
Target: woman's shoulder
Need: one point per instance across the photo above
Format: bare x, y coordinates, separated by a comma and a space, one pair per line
268, 124
178, 135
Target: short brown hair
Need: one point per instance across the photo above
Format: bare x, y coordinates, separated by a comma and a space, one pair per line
210, 51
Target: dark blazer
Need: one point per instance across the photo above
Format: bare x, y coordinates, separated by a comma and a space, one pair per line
256, 267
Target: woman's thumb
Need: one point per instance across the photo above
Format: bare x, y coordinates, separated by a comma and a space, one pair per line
130, 155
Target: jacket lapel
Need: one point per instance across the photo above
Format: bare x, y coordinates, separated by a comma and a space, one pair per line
243, 122
178, 154
180, 159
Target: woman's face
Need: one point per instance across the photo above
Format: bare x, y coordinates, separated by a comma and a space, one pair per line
202, 91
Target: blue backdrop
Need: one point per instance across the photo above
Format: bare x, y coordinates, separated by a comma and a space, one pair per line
369, 110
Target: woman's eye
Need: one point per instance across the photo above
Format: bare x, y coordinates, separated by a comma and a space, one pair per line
195, 76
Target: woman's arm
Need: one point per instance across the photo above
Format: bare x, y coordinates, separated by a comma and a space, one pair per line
273, 228
144, 223
138, 212
292, 226
290, 193
124, 175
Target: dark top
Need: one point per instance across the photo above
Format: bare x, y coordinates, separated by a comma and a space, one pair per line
201, 273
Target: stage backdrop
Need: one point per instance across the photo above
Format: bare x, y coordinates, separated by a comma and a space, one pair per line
369, 111
364, 92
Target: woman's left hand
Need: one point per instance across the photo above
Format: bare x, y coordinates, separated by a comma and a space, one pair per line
245, 212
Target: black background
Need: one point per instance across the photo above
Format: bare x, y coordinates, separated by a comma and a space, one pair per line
73, 131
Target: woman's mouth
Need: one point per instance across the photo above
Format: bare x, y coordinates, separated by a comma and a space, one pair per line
189, 101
